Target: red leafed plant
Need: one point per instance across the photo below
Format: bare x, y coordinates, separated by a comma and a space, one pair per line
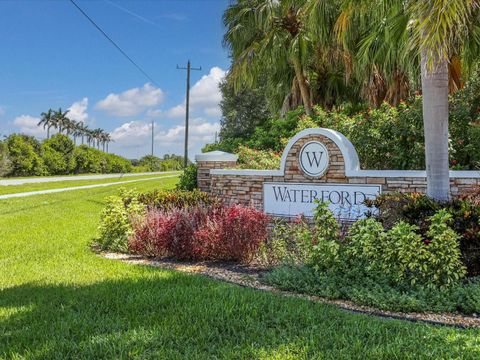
243, 229
201, 233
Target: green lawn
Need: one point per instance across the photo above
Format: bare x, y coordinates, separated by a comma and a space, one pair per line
59, 300
13, 189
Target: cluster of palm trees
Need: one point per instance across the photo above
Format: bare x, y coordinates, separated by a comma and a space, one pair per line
58, 119
310, 51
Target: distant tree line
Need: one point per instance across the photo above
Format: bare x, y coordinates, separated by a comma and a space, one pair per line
59, 120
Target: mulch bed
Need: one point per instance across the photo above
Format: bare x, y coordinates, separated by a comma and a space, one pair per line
249, 276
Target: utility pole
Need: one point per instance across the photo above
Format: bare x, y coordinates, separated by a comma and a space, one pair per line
153, 128
187, 106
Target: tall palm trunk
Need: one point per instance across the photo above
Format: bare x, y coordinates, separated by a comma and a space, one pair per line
48, 132
435, 119
302, 83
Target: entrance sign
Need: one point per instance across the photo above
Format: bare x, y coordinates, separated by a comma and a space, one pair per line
316, 164
314, 158
345, 201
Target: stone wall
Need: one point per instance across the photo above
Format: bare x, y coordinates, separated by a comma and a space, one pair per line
246, 186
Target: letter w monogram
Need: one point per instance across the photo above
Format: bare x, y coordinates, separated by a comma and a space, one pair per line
313, 159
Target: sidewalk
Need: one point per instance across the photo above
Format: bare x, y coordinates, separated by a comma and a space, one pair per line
33, 180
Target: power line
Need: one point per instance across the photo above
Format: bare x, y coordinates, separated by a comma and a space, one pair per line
114, 43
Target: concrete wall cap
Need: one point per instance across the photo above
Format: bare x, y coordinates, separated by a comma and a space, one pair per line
216, 156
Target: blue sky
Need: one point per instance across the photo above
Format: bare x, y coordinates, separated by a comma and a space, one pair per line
53, 57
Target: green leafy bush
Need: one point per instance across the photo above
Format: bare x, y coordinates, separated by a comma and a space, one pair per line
5, 163
25, 156
116, 221
404, 255
257, 159
302, 241
417, 209
290, 242
168, 199
88, 160
188, 179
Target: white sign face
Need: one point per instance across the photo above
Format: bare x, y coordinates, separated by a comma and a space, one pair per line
314, 158
345, 201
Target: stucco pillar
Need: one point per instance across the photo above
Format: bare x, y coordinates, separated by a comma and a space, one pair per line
212, 160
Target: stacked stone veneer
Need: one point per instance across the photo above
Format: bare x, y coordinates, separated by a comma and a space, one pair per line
246, 186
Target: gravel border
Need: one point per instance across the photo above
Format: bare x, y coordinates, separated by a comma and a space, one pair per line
248, 276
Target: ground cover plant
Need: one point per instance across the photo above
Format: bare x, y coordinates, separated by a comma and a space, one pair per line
60, 300
396, 267
15, 189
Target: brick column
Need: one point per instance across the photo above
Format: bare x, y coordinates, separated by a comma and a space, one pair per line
212, 160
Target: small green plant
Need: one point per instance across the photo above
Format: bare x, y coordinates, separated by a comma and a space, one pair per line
405, 255
326, 248
188, 179
116, 221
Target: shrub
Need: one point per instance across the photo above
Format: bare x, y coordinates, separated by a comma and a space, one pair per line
188, 179
24, 156
417, 209
290, 242
303, 242
242, 230
170, 199
87, 159
257, 159
116, 221
200, 233
5, 163
404, 255
150, 163
152, 234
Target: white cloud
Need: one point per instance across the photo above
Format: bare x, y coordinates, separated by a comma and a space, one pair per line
205, 96
200, 132
174, 112
78, 110
133, 133
131, 102
28, 125
205, 92
133, 139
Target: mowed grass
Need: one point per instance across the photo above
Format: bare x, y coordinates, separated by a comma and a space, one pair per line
60, 300
14, 189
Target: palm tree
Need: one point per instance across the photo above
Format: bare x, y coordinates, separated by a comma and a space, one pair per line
106, 139
47, 121
96, 136
69, 126
82, 131
60, 119
268, 34
78, 130
431, 33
